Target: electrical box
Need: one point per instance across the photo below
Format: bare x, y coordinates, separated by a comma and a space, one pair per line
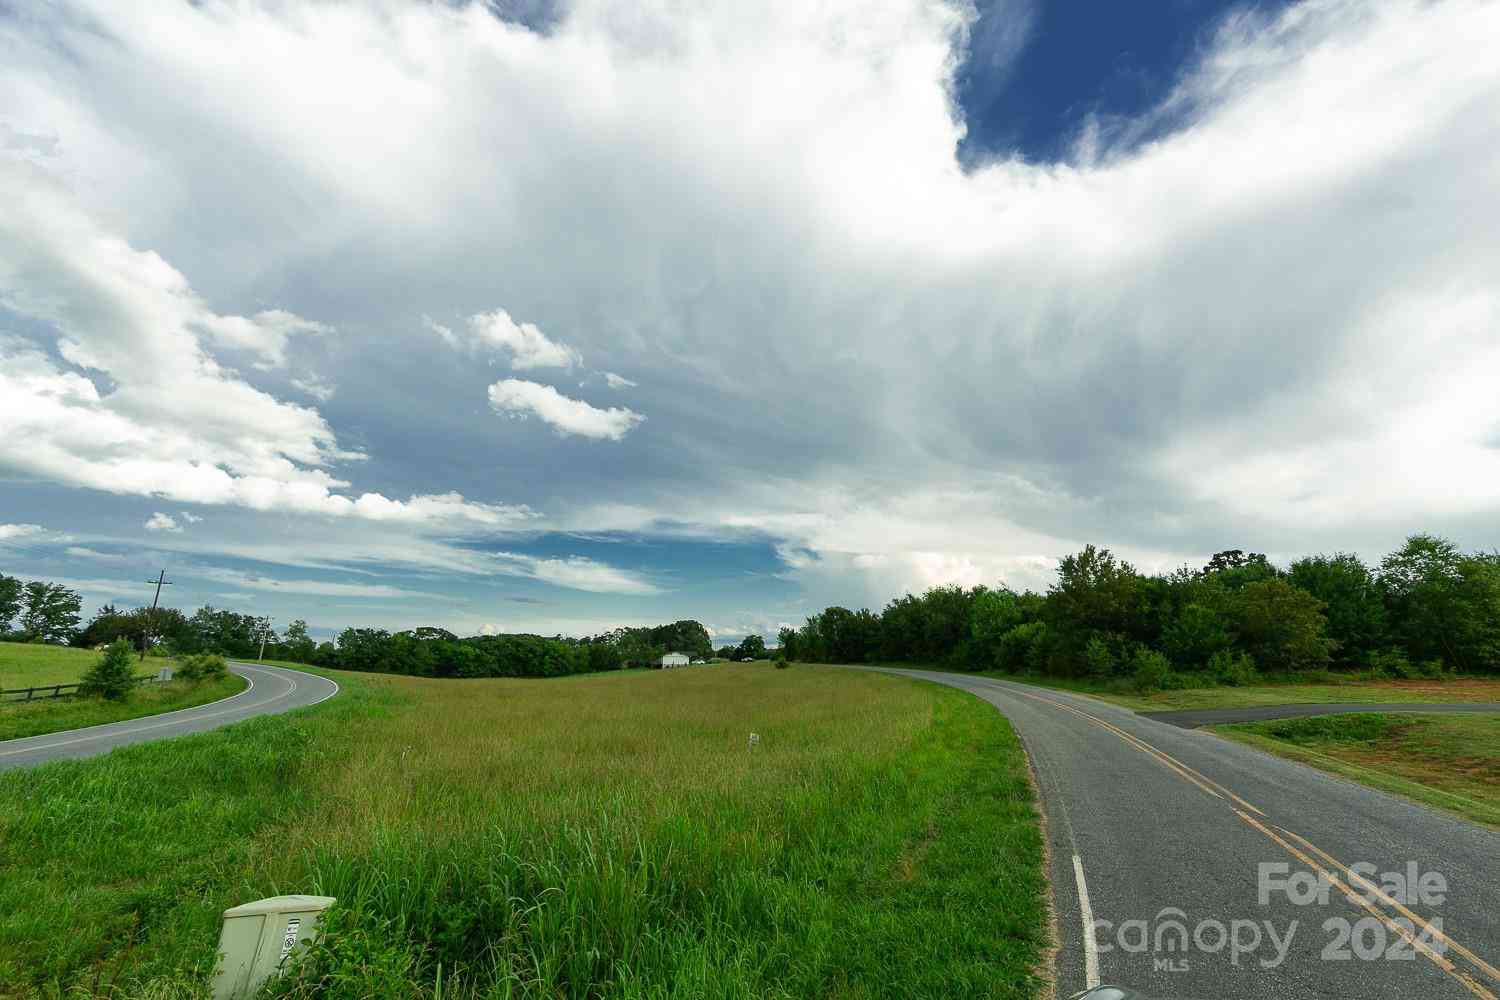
259, 937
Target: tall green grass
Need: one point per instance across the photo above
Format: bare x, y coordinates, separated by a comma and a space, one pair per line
588, 837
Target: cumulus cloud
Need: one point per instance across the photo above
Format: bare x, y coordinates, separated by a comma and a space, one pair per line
619, 381
520, 398
168, 420
1268, 327
527, 346
162, 522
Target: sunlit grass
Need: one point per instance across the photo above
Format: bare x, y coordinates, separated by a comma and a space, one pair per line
607, 835
30, 664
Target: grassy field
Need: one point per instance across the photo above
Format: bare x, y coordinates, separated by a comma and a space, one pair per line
24, 664
596, 836
1462, 689
31, 665
1448, 761
19, 719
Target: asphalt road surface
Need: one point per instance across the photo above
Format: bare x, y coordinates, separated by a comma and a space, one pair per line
1186, 866
271, 690
1192, 718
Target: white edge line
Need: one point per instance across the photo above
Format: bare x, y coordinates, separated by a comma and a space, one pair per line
194, 708
1090, 946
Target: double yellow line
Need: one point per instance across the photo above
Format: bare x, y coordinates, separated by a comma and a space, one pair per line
1331, 873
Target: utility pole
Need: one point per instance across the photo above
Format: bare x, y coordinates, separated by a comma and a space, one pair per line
161, 581
264, 627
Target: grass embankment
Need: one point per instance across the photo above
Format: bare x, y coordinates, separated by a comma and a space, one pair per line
1448, 761
54, 715
31, 665
598, 836
1326, 689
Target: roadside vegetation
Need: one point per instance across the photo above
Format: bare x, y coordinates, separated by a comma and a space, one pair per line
112, 689
1322, 687
615, 835
1427, 612
1448, 761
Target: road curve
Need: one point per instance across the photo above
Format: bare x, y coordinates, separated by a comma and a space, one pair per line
272, 690
1152, 827
1192, 718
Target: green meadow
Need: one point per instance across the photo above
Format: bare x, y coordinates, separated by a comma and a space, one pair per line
612, 835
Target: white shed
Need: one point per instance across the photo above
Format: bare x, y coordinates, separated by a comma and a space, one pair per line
673, 660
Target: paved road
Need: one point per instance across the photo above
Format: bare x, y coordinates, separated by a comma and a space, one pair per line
271, 690
1153, 827
1192, 718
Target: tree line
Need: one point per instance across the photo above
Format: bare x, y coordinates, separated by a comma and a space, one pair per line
49, 612
1425, 609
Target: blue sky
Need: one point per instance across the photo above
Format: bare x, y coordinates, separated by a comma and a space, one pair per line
552, 318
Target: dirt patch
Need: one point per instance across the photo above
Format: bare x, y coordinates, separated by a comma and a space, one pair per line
1462, 689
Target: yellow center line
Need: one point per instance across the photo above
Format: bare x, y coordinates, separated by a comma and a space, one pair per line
1435, 933
1464, 980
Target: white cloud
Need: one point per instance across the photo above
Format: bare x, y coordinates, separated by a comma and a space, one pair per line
162, 522
1270, 324
520, 398
84, 552
174, 423
527, 346
320, 588
579, 573
190, 517
15, 532
619, 381
315, 386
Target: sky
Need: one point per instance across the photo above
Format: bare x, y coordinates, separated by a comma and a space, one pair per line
522, 316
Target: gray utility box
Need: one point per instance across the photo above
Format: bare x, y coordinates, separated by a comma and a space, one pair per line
259, 937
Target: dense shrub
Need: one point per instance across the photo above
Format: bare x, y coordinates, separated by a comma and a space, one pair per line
1390, 663
1232, 668
201, 666
1150, 670
113, 677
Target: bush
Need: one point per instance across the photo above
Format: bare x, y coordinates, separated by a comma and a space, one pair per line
1431, 670
1391, 663
1152, 671
113, 677
200, 667
1099, 658
1232, 669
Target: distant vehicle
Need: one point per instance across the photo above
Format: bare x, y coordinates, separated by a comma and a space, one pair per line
747, 659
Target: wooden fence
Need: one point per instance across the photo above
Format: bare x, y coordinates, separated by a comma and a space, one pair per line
59, 690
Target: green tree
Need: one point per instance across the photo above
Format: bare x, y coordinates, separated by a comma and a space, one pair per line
10, 601
49, 612
1095, 595
753, 646
296, 643
1194, 636
1281, 626
1443, 604
113, 677
1352, 600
